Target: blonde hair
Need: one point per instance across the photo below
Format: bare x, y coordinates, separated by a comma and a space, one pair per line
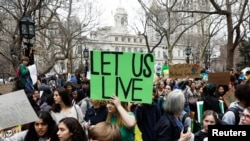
120, 121
111, 133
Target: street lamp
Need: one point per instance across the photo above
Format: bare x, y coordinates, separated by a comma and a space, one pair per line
86, 56
27, 31
188, 53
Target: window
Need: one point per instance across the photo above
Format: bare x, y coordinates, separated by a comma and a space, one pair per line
140, 40
135, 40
116, 49
122, 22
159, 54
116, 38
129, 49
128, 39
135, 49
123, 49
79, 48
179, 53
123, 39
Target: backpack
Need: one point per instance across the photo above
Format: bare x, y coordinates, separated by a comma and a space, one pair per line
195, 125
18, 73
236, 115
18, 84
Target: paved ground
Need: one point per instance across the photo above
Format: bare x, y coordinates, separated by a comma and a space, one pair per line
5, 88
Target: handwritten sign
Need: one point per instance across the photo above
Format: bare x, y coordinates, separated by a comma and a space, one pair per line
6, 133
219, 78
15, 110
126, 75
229, 97
184, 70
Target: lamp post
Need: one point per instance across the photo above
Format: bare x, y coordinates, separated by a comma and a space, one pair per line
188, 53
86, 56
27, 31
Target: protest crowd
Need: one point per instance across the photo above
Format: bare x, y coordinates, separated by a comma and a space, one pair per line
66, 111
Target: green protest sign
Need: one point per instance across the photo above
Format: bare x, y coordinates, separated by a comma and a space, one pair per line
127, 75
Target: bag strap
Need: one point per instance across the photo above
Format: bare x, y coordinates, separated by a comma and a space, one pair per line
76, 112
184, 118
236, 115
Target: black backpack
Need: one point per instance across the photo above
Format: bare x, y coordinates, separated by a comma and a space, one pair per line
236, 115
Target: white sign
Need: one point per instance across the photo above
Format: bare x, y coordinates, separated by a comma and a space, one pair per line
15, 110
33, 73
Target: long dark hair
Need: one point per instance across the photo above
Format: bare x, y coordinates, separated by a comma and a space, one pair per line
47, 119
66, 98
78, 133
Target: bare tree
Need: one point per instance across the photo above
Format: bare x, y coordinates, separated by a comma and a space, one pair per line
171, 26
236, 15
69, 30
11, 12
59, 25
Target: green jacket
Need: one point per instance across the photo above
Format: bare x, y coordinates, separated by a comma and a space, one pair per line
23, 73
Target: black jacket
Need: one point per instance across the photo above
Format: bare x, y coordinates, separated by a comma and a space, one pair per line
167, 129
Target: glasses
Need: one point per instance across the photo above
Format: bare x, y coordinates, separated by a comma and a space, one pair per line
245, 115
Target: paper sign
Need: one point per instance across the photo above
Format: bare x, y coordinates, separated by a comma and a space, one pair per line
127, 75
33, 73
6, 133
184, 70
15, 110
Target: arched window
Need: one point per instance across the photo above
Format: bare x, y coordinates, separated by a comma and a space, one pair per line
123, 49
116, 49
135, 49
122, 21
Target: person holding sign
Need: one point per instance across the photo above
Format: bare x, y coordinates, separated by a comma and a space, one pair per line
42, 129
24, 81
119, 114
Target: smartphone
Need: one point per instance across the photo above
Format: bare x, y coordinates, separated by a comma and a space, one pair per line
185, 129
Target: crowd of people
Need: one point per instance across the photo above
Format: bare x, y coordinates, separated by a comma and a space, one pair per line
66, 112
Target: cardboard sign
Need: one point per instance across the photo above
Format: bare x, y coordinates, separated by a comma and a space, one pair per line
6, 133
184, 70
229, 97
126, 75
15, 110
219, 78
